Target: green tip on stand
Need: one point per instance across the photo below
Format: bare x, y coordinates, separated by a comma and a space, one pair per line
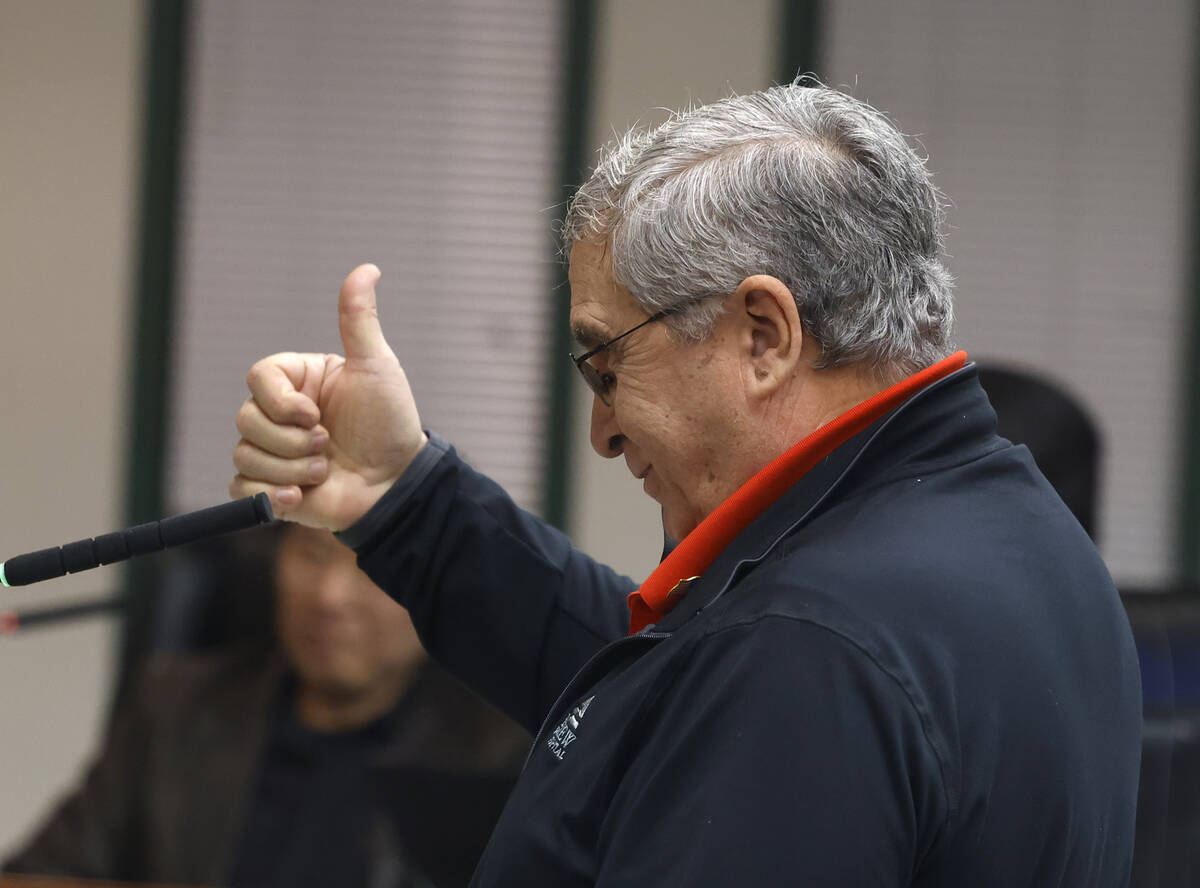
3, 579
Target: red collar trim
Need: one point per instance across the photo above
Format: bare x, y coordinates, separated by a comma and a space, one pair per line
699, 549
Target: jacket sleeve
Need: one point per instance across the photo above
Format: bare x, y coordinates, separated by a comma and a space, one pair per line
498, 596
94, 832
781, 755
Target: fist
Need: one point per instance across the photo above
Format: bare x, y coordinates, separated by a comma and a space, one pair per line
325, 436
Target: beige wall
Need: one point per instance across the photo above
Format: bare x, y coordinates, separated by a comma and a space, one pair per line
665, 54
70, 87
1071, 191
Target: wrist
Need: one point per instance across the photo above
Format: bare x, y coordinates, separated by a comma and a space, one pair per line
385, 509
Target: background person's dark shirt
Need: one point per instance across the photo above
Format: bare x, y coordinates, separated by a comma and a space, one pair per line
313, 816
198, 754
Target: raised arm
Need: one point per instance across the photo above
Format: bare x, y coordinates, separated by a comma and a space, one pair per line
499, 597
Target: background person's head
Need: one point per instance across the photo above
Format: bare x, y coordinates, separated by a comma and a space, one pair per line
353, 649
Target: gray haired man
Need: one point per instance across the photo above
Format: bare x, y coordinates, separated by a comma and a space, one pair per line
883, 652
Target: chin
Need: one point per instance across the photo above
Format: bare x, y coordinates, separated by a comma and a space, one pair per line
333, 683
675, 527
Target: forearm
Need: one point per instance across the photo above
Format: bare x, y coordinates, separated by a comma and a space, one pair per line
497, 595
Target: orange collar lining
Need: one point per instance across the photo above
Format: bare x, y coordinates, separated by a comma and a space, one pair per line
699, 549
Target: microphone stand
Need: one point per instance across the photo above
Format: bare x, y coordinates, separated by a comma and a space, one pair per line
13, 621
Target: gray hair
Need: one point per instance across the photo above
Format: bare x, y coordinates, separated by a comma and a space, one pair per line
803, 183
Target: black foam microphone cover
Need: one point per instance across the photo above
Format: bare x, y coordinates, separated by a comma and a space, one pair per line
177, 530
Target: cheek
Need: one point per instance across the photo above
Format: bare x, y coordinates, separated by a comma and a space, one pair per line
676, 416
289, 618
389, 630
696, 464
685, 436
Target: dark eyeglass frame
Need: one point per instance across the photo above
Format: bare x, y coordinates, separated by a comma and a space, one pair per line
593, 377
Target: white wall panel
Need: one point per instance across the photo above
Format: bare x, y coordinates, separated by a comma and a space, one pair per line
1060, 133
422, 136
70, 93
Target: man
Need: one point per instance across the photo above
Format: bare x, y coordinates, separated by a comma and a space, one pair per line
883, 652
342, 759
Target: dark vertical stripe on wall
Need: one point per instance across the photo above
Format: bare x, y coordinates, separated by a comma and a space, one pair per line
163, 70
800, 39
1189, 516
578, 22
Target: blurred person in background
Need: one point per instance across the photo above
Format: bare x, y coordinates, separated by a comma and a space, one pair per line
343, 757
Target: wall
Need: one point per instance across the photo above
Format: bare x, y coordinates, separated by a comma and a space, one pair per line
1060, 134
70, 88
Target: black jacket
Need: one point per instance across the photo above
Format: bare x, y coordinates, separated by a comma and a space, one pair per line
913, 669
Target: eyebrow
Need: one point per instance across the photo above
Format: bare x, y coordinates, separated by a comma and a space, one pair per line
587, 335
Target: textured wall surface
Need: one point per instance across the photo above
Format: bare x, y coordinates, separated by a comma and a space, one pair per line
1060, 133
70, 93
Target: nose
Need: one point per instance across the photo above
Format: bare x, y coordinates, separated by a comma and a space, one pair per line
607, 439
334, 587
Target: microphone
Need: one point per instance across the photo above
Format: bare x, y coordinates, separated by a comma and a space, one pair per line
46, 564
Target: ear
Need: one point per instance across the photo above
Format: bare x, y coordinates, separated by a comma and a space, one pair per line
769, 334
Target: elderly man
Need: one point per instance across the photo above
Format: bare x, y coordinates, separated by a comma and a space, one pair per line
883, 652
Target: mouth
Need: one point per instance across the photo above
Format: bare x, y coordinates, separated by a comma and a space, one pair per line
329, 637
647, 487
641, 474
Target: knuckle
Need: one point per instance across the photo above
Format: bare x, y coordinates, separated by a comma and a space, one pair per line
264, 368
256, 373
243, 455
246, 415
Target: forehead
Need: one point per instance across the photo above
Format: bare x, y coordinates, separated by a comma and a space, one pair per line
599, 305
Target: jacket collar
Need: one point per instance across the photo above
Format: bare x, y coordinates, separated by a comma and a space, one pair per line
940, 424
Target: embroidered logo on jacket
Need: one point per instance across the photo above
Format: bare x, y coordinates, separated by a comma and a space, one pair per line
564, 735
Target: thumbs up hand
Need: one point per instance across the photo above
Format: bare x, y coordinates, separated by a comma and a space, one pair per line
324, 435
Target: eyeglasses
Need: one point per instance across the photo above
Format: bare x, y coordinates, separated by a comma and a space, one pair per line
602, 383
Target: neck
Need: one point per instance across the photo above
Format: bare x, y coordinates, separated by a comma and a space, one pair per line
815, 399
817, 440
330, 710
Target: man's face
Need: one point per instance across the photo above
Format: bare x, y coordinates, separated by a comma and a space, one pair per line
671, 415
343, 635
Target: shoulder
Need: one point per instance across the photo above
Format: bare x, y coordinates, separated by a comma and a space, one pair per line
813, 701
173, 683
968, 550
807, 660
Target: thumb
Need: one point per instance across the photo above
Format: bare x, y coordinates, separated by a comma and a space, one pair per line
358, 316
